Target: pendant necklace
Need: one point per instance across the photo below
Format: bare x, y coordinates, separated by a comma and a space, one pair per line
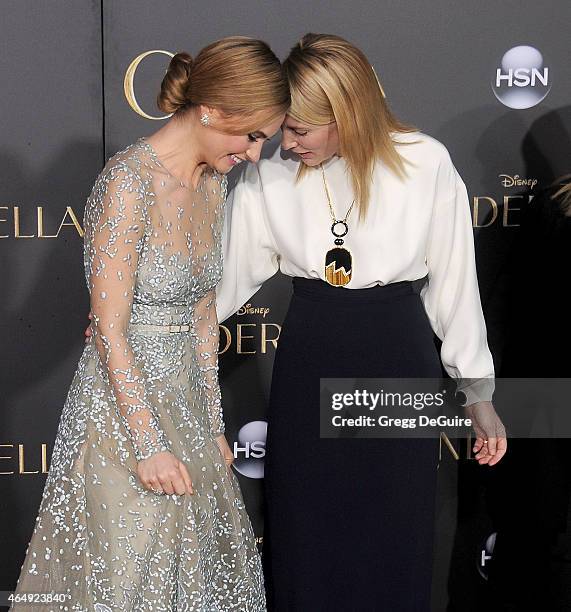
338, 260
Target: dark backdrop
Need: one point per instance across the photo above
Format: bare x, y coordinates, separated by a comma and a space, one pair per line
65, 113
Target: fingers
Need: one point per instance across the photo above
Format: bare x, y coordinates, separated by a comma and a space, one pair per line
175, 485
179, 484
186, 478
478, 444
168, 488
153, 485
177, 481
492, 442
168, 478
500, 452
484, 456
492, 452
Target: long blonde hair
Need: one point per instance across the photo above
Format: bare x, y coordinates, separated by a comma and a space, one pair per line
238, 75
331, 80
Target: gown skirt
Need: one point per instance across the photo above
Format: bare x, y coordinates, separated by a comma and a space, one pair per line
348, 522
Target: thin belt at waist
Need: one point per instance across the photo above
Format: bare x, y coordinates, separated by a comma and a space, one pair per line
160, 329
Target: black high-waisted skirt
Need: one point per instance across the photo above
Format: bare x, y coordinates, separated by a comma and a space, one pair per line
349, 522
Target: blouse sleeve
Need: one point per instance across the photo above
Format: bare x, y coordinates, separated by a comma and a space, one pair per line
250, 256
115, 221
451, 297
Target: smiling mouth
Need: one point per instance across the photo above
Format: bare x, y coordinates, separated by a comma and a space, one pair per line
235, 159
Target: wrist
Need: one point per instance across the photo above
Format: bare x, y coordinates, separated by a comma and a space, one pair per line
473, 390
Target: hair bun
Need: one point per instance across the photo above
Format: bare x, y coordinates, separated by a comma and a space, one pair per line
174, 87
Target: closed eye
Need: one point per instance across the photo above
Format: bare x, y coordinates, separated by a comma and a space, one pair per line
255, 136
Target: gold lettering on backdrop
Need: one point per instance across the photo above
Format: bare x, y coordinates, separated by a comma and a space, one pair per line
74, 221
21, 460
129, 85
508, 209
507, 200
450, 447
228, 337
17, 225
69, 219
476, 213
265, 338
444, 438
41, 224
4, 221
508, 181
240, 336
3, 457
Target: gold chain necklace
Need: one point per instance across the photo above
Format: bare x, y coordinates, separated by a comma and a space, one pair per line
338, 261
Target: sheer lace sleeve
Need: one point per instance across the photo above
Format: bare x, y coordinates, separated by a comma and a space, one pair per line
115, 220
208, 334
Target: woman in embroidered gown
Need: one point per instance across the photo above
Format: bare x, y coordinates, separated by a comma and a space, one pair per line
141, 510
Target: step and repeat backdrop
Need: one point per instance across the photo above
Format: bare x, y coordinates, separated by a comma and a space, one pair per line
488, 79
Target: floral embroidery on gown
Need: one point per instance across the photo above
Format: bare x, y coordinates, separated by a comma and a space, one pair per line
152, 259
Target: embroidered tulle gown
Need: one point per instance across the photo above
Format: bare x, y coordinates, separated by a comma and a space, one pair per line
146, 383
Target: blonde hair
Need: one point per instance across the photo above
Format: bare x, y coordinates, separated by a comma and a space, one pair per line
563, 194
331, 80
238, 75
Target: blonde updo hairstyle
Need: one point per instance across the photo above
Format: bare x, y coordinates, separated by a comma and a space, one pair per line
239, 76
331, 80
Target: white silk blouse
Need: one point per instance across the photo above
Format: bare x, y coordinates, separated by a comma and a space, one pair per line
417, 226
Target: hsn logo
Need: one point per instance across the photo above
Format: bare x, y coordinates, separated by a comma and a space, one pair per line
523, 78
250, 449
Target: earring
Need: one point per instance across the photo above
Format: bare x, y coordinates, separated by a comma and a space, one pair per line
205, 119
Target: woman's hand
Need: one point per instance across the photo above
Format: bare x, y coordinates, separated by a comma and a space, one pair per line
88, 331
225, 450
164, 473
491, 442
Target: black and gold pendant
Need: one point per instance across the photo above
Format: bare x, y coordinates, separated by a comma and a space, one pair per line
338, 267
338, 261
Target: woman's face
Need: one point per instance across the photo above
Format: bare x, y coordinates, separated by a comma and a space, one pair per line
313, 144
228, 150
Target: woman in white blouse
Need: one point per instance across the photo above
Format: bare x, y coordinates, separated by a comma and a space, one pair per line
363, 207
